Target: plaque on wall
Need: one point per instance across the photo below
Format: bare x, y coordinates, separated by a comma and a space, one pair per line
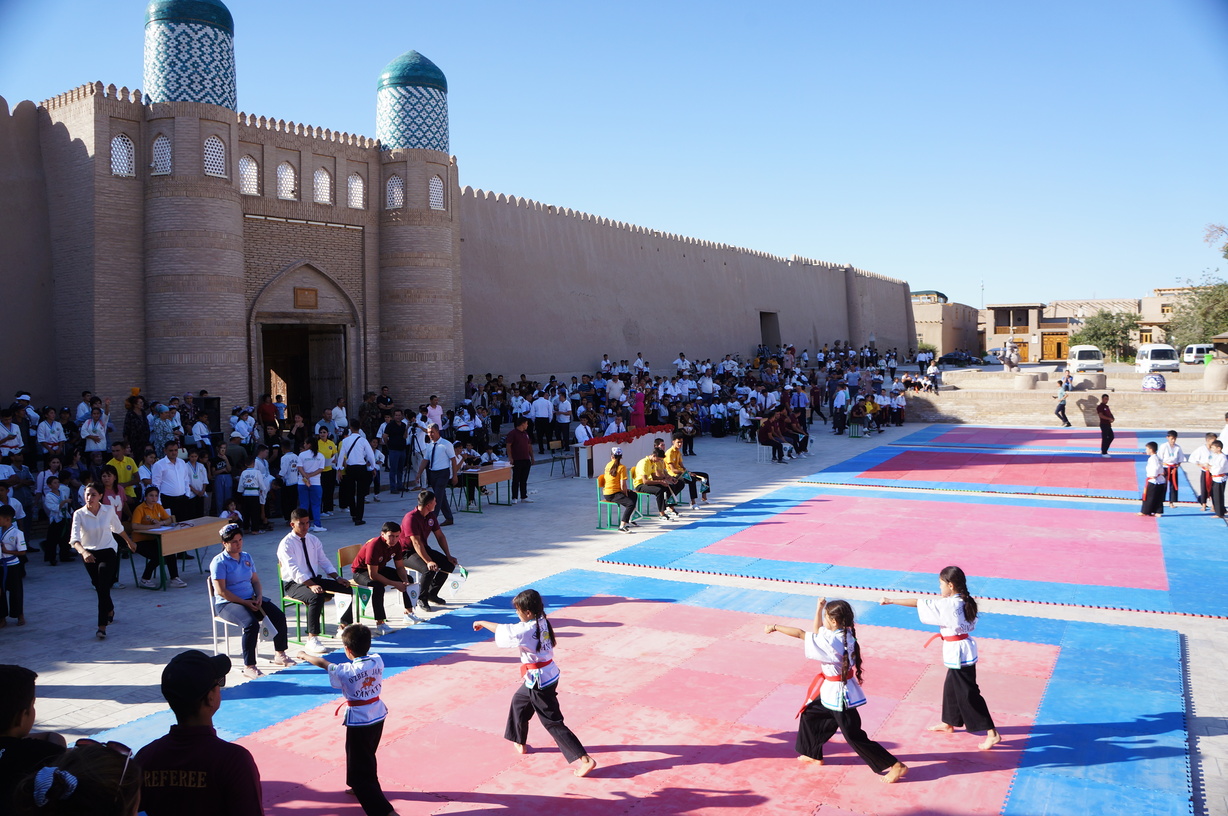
305, 298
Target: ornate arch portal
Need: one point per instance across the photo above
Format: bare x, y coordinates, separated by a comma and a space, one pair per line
305, 337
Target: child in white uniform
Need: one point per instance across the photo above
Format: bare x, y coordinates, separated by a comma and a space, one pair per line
534, 637
835, 693
1217, 472
1171, 457
955, 616
1153, 486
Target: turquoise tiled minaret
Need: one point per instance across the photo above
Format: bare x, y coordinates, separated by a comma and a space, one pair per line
412, 105
189, 52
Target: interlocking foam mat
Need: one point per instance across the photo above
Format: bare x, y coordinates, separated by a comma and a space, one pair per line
1083, 553
1082, 440
688, 708
1033, 473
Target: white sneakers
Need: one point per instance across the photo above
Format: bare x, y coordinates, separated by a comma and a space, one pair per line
178, 582
252, 672
319, 529
381, 630
150, 584
313, 645
411, 618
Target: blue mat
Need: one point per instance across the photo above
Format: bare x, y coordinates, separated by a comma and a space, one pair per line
929, 436
1193, 542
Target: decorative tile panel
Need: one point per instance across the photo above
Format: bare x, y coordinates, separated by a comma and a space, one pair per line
412, 117
188, 62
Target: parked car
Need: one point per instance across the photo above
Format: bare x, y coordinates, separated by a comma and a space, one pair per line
1085, 358
1196, 352
1156, 357
958, 359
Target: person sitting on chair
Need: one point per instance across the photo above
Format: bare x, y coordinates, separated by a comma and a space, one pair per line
369, 570
237, 597
308, 576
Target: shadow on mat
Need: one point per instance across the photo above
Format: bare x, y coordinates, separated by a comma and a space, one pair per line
1103, 743
774, 746
672, 800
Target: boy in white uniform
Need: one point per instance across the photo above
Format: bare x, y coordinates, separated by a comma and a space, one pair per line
1194, 472
1171, 457
1217, 469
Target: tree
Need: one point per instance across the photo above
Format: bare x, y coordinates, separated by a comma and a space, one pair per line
1108, 331
1217, 236
1199, 313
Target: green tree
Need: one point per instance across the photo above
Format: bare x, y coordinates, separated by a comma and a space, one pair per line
1108, 331
1199, 313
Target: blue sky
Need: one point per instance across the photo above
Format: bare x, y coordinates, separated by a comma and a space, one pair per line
1047, 149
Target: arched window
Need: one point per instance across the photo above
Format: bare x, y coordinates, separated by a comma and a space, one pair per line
357, 192
215, 157
249, 176
161, 155
323, 186
123, 156
437, 201
287, 182
396, 193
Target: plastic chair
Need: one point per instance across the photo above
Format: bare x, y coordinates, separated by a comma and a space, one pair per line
362, 594
557, 454
608, 512
763, 453
300, 608
225, 624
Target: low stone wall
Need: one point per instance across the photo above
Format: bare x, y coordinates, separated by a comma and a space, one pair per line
1196, 411
1121, 381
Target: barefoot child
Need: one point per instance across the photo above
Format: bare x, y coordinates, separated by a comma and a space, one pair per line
534, 637
360, 680
835, 693
1153, 487
955, 616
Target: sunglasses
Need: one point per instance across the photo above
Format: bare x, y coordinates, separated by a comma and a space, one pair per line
117, 747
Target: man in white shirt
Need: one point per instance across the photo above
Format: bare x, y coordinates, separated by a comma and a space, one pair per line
356, 461
562, 418
584, 431
682, 364
616, 425
340, 417
170, 476
441, 464
541, 412
639, 365
83, 408
839, 410
308, 575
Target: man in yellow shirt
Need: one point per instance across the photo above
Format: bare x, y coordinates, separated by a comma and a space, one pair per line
328, 479
648, 476
129, 473
675, 468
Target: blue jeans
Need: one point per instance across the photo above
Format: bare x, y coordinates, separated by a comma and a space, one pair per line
223, 487
396, 470
310, 498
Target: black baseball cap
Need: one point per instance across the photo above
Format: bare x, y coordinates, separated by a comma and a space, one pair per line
191, 675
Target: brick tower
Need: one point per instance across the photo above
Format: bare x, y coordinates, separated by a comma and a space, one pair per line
421, 349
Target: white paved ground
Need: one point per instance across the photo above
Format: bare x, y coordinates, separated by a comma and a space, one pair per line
86, 686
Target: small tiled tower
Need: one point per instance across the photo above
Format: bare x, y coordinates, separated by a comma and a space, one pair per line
193, 210
420, 289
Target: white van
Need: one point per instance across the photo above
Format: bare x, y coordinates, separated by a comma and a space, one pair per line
1085, 358
1195, 352
1156, 357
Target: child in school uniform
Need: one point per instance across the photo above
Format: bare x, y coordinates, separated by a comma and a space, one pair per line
835, 693
1216, 469
534, 637
1171, 457
12, 571
954, 613
1153, 486
58, 507
360, 680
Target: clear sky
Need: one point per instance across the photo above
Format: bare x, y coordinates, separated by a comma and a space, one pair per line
1050, 149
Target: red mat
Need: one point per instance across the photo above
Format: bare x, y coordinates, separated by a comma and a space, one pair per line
1051, 438
1055, 470
1057, 545
686, 710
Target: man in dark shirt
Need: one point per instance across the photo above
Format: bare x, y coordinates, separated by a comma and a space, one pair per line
190, 771
21, 753
434, 566
370, 571
520, 454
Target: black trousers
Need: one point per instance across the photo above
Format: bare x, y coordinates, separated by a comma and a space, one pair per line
1171, 475
520, 478
12, 591
363, 578
545, 703
355, 483
102, 575
432, 582
362, 770
1217, 498
1060, 412
839, 420
541, 430
437, 481
244, 617
656, 491
819, 724
249, 506
178, 506
55, 548
149, 549
962, 703
1153, 499
562, 432
626, 501
1106, 436
328, 482
315, 601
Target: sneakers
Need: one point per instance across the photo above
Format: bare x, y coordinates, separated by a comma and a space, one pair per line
252, 672
117, 585
411, 618
318, 529
381, 630
313, 645
150, 584
284, 660
526, 501
328, 514
625, 528
1105, 456
694, 506
178, 582
424, 604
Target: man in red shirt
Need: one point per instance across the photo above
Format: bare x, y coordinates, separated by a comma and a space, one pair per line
434, 566
520, 454
370, 570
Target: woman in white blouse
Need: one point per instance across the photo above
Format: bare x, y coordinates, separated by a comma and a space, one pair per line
94, 530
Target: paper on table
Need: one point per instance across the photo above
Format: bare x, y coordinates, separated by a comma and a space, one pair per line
161, 529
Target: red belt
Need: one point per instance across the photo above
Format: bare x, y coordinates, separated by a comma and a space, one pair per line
944, 637
816, 685
525, 668
353, 703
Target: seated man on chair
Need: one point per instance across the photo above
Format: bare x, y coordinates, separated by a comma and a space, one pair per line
434, 566
308, 576
370, 571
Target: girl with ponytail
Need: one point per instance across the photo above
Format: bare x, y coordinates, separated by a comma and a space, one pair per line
835, 693
954, 613
534, 637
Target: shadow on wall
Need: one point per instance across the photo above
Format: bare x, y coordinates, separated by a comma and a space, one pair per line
926, 409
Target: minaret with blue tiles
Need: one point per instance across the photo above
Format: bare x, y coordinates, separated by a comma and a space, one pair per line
420, 289
190, 52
